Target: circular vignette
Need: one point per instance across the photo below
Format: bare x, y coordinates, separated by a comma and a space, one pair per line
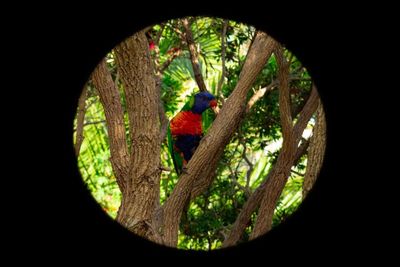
152, 102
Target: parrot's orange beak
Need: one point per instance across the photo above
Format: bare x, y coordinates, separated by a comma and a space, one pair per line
213, 103
214, 107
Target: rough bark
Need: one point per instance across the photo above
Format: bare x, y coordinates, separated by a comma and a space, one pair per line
280, 174
164, 121
284, 95
137, 76
193, 55
219, 135
316, 151
80, 118
111, 101
201, 184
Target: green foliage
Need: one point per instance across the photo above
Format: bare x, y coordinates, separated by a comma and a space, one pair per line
247, 159
94, 157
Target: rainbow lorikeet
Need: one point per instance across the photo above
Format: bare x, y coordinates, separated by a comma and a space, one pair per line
186, 129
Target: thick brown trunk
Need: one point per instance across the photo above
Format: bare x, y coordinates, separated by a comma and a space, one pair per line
111, 101
316, 151
137, 76
218, 135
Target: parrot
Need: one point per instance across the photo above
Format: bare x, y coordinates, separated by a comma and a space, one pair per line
185, 130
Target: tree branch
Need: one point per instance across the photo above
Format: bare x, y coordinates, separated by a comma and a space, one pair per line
137, 77
279, 175
177, 31
235, 181
253, 202
80, 120
159, 33
306, 113
166, 64
316, 152
111, 101
298, 173
269, 88
206, 156
284, 96
91, 123
259, 94
164, 121
194, 56
243, 218
301, 151
244, 156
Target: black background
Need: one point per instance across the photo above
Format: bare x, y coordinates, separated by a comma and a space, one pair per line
54, 216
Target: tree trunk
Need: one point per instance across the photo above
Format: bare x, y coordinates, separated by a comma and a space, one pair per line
316, 151
278, 179
137, 76
270, 190
111, 101
218, 135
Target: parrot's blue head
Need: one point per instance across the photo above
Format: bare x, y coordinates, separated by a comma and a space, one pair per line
203, 101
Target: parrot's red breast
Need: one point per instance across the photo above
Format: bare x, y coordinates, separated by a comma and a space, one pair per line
186, 123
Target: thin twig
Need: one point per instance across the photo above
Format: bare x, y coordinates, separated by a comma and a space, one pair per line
164, 168
234, 176
159, 33
166, 64
272, 86
298, 173
91, 123
260, 93
177, 31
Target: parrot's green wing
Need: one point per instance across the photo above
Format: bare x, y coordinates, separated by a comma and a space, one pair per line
189, 104
176, 157
207, 119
